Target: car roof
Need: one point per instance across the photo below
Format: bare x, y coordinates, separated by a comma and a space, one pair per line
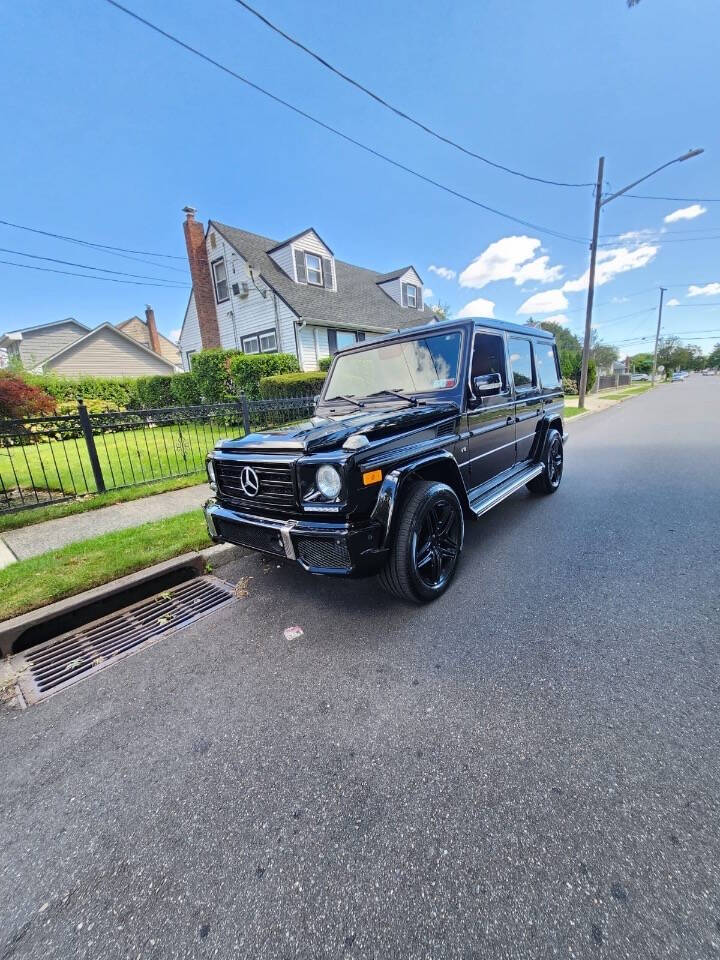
437, 326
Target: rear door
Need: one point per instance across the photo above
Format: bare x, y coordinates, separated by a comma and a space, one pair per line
491, 418
528, 397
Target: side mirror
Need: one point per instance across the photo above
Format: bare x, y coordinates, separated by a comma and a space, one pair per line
487, 384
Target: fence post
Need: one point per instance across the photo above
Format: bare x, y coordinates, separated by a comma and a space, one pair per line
87, 430
245, 414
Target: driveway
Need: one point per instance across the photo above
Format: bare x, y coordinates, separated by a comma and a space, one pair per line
527, 768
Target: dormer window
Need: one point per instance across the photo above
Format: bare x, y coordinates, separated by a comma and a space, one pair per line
313, 269
411, 295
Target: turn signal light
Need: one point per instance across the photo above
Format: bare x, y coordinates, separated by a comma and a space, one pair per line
373, 476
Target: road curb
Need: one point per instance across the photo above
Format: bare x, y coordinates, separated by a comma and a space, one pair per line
70, 609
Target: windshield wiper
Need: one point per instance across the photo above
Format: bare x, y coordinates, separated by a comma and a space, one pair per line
346, 399
393, 393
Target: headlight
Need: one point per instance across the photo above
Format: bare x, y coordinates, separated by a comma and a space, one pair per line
211, 475
328, 481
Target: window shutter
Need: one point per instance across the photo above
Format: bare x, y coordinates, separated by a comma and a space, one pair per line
332, 341
327, 273
404, 294
300, 266
360, 335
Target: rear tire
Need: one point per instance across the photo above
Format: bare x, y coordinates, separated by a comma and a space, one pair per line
427, 544
553, 459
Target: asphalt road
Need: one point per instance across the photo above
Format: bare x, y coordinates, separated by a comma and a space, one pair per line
528, 768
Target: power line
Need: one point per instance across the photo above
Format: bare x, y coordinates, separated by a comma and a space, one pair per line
68, 273
86, 266
396, 110
88, 243
325, 126
645, 196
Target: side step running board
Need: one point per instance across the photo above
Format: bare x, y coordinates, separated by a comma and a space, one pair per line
487, 501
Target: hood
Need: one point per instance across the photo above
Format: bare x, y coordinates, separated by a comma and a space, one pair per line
329, 433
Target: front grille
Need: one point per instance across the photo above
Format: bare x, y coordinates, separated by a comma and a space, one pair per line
323, 552
248, 535
276, 490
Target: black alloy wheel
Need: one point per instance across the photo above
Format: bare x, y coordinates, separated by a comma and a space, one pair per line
553, 460
428, 540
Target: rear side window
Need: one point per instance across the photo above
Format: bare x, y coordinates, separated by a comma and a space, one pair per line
521, 363
546, 365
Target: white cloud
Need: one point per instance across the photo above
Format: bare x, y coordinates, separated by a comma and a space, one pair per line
445, 272
174, 335
478, 308
619, 299
545, 302
686, 213
427, 293
612, 262
673, 303
709, 290
637, 236
511, 258
557, 318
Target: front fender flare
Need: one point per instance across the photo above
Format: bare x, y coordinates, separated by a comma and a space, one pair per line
391, 489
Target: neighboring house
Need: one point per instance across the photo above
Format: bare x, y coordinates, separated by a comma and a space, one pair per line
254, 294
149, 336
70, 348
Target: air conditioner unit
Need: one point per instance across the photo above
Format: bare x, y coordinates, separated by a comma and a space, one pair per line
240, 290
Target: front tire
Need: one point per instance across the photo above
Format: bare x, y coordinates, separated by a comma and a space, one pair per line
427, 544
553, 460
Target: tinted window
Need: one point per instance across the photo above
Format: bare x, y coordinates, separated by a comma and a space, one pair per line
411, 366
546, 365
521, 362
488, 356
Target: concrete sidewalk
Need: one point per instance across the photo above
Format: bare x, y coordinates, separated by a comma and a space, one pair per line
41, 537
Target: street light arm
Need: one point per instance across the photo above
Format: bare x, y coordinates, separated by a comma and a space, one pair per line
619, 193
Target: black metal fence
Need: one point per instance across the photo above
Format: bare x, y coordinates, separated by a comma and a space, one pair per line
49, 459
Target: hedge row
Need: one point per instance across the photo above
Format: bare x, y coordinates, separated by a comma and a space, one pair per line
292, 385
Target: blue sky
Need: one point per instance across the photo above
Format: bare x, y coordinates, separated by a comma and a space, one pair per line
110, 130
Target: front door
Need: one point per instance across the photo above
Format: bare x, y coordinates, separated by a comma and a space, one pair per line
528, 396
491, 419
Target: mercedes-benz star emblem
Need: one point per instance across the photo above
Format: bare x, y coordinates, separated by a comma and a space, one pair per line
249, 482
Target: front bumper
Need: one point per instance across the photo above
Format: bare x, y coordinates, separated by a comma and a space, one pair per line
335, 549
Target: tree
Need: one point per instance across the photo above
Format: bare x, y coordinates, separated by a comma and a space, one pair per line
641, 363
563, 338
633, 3
604, 354
442, 310
714, 359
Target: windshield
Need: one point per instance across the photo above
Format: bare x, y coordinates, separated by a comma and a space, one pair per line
410, 366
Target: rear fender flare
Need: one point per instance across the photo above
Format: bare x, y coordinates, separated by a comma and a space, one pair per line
442, 466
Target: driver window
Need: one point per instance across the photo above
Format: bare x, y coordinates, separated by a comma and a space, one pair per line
488, 357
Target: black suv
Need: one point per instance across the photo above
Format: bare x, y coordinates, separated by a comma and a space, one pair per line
413, 432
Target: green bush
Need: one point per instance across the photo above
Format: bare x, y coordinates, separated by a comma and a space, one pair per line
211, 369
571, 364
184, 389
247, 369
155, 391
292, 385
325, 363
569, 386
92, 405
120, 392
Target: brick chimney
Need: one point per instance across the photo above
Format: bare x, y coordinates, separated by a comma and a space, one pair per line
152, 329
202, 281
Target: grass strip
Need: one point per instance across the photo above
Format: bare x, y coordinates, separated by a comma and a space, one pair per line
61, 573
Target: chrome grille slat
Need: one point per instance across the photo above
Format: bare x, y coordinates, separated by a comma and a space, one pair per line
277, 486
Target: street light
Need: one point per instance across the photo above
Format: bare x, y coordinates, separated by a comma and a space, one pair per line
600, 202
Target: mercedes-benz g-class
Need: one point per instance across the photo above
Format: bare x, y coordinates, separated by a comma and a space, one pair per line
413, 433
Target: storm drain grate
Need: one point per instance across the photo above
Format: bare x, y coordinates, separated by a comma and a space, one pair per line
57, 663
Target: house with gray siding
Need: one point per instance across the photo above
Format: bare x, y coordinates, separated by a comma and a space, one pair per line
258, 295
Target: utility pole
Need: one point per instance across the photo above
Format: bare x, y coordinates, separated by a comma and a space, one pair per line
657, 334
591, 285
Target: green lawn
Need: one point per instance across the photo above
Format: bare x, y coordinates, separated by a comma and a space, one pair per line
61, 573
126, 458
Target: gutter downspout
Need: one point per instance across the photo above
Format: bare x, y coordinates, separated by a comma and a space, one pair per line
299, 326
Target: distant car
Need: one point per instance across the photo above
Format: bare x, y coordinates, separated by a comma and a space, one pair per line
678, 377
639, 376
708, 373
